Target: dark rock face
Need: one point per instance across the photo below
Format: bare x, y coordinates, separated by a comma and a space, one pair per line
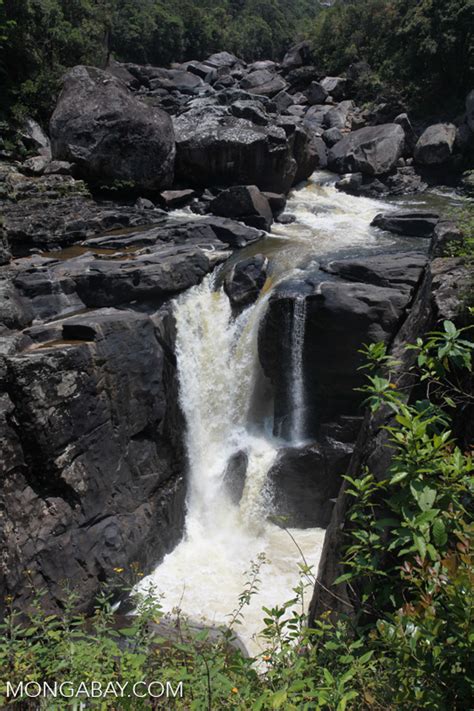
435, 145
93, 471
439, 296
335, 86
246, 280
90, 427
297, 56
245, 203
316, 94
348, 302
234, 476
99, 125
373, 150
305, 481
413, 223
218, 149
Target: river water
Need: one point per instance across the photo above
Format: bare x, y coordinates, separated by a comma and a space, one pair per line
219, 375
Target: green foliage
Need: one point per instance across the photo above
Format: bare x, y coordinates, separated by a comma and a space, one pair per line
424, 49
408, 557
40, 39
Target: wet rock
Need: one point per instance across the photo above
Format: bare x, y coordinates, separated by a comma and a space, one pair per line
245, 281
412, 223
305, 482
435, 145
373, 150
111, 135
277, 202
217, 149
310, 153
172, 199
348, 303
245, 203
144, 204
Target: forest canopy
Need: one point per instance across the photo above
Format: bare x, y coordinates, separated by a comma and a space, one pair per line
423, 49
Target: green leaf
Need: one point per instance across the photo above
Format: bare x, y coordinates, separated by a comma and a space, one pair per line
398, 477
439, 532
279, 698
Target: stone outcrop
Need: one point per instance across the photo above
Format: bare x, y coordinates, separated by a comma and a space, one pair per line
218, 149
373, 150
110, 134
435, 145
348, 303
412, 223
245, 203
92, 464
439, 296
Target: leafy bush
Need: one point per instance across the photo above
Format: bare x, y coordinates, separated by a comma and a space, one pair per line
408, 560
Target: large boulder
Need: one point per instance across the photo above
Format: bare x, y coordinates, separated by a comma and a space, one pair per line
413, 223
92, 461
435, 145
245, 281
297, 56
335, 86
263, 82
347, 303
111, 135
214, 148
373, 150
316, 93
245, 203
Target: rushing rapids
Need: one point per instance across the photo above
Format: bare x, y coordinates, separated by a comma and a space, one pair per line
219, 373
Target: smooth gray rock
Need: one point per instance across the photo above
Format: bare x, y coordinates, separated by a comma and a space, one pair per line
413, 223
373, 150
245, 281
217, 149
111, 135
245, 203
435, 145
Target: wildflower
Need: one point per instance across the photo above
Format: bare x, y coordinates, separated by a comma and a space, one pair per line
118, 570
235, 690
393, 386
266, 658
8, 599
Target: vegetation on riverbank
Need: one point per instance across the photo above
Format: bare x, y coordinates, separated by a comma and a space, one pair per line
411, 568
419, 50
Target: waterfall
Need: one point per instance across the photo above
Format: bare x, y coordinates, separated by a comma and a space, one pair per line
297, 390
218, 369
219, 379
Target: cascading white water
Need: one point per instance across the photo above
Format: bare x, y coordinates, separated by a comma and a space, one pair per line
297, 391
218, 370
218, 363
